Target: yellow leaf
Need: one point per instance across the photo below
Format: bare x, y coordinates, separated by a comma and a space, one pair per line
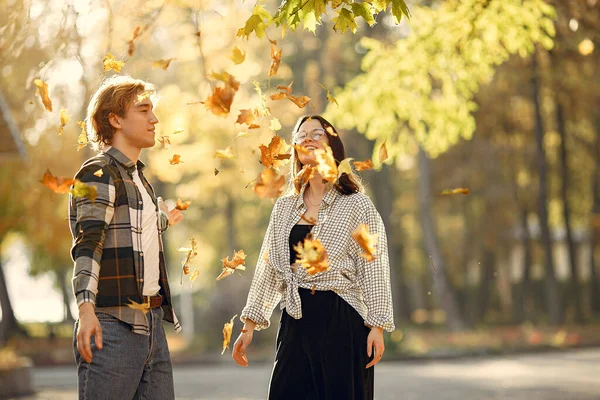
165, 142
237, 56
64, 120
225, 154
363, 165
163, 64
366, 241
227, 331
99, 173
275, 58
43, 92
312, 256
194, 276
326, 166
109, 63
137, 306
454, 191
182, 205
269, 184
345, 167
275, 125
80, 189
177, 131
383, 154
242, 135
330, 98
82, 139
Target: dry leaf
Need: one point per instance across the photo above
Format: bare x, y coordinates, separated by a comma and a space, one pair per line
217, 172
242, 135
109, 63
454, 191
269, 184
99, 173
366, 241
219, 103
191, 253
276, 154
64, 120
80, 189
194, 276
227, 331
262, 109
312, 256
330, 98
383, 154
275, 125
310, 220
182, 205
305, 175
237, 262
237, 56
165, 142
58, 184
137, 306
301, 102
144, 95
248, 117
227, 78
164, 64
278, 96
326, 166
275, 58
43, 92
344, 167
330, 130
175, 160
225, 154
363, 165
286, 89
177, 131
136, 33
82, 139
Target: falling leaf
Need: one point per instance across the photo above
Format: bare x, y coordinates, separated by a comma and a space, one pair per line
383, 154
165, 142
330, 98
219, 103
301, 102
262, 109
194, 276
310, 220
136, 33
58, 184
312, 255
182, 205
64, 120
217, 172
236, 263
248, 117
80, 189
366, 241
99, 173
82, 139
275, 125
176, 159
225, 154
363, 165
303, 150
278, 96
43, 92
177, 131
276, 154
241, 171
237, 56
344, 167
227, 331
326, 166
275, 58
137, 306
286, 89
146, 94
227, 78
242, 135
330, 130
191, 253
269, 184
454, 191
305, 175
109, 63
164, 64
586, 47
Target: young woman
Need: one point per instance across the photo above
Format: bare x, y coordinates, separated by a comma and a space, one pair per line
332, 320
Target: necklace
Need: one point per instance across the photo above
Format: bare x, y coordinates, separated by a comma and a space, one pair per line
310, 202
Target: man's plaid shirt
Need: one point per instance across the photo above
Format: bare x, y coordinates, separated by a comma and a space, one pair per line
107, 240
364, 285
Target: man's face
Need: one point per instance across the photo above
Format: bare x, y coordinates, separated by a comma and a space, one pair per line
138, 125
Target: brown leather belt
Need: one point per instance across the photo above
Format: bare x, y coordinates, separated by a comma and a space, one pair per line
153, 301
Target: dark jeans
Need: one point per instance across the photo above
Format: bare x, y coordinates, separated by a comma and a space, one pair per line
130, 365
323, 355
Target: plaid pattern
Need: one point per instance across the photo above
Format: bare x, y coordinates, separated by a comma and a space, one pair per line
364, 285
107, 241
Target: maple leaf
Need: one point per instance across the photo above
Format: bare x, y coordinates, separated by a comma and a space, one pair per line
175, 160
225, 154
286, 92
109, 63
80, 189
227, 331
182, 205
227, 78
303, 150
136, 33
237, 56
219, 103
383, 154
326, 166
144, 95
275, 58
58, 184
137, 306
454, 191
275, 125
249, 118
269, 184
42, 90
82, 139
165, 142
163, 64
312, 255
330, 98
363, 165
344, 21
257, 23
301, 102
64, 120
191, 253
276, 154
366, 241
237, 262
305, 175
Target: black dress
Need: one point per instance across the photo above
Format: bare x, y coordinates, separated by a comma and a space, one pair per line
322, 355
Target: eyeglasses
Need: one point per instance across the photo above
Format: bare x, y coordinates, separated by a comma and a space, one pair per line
315, 134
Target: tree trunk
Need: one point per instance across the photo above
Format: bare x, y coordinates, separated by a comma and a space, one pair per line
595, 228
61, 278
486, 277
9, 327
441, 286
552, 292
575, 296
520, 310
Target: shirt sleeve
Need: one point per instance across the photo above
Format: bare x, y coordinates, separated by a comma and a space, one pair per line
263, 296
163, 221
374, 276
91, 222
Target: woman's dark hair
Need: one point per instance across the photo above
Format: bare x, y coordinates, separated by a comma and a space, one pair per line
346, 183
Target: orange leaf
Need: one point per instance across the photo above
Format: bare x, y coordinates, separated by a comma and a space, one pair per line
227, 331
237, 262
312, 256
305, 174
182, 205
286, 89
176, 159
249, 118
269, 184
278, 96
58, 184
164, 64
301, 102
43, 92
366, 241
219, 103
310, 220
136, 33
191, 253
383, 154
227, 78
363, 165
275, 58
454, 191
276, 154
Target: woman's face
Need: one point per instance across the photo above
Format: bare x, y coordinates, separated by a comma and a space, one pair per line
311, 135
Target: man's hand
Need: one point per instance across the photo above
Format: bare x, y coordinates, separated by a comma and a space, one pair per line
88, 326
375, 339
175, 216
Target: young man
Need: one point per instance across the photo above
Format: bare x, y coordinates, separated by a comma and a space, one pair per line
121, 351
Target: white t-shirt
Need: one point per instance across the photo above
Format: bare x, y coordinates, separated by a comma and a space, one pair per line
149, 240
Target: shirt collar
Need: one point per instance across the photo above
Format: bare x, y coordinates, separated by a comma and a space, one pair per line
330, 195
124, 160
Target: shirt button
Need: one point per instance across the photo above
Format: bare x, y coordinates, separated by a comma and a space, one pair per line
141, 280
140, 202
142, 254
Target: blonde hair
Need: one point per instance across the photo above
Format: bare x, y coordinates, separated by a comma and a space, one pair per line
114, 96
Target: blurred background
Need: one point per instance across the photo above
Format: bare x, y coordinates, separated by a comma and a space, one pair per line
489, 111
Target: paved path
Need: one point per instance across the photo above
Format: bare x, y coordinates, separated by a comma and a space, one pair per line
572, 375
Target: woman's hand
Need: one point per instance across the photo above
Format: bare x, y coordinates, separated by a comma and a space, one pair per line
375, 339
242, 343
